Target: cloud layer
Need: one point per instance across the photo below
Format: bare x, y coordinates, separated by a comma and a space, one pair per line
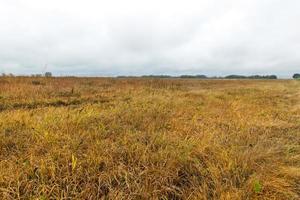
150, 37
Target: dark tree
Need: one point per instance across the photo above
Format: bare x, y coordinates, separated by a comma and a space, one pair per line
296, 76
48, 74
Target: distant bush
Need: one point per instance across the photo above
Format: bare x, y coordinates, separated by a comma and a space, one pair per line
48, 74
296, 76
156, 76
235, 77
193, 76
7, 75
36, 75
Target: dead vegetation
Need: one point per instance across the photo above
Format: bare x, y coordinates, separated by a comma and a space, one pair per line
92, 138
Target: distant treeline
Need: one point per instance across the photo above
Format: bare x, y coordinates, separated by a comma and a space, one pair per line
199, 76
47, 74
251, 77
205, 77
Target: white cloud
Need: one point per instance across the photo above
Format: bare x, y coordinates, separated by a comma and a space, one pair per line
141, 37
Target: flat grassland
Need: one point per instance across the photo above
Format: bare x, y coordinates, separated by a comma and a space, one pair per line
105, 138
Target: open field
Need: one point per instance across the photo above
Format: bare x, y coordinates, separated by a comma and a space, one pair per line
101, 138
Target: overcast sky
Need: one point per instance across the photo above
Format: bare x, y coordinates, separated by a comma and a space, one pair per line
133, 37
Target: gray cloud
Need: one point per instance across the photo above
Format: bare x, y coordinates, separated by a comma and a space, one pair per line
143, 37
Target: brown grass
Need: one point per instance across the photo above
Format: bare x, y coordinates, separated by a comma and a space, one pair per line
101, 138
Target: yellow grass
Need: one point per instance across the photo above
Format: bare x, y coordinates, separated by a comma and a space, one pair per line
97, 138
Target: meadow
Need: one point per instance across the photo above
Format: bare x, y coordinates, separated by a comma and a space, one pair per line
109, 138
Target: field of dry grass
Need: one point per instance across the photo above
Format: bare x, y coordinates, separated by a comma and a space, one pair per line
97, 138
